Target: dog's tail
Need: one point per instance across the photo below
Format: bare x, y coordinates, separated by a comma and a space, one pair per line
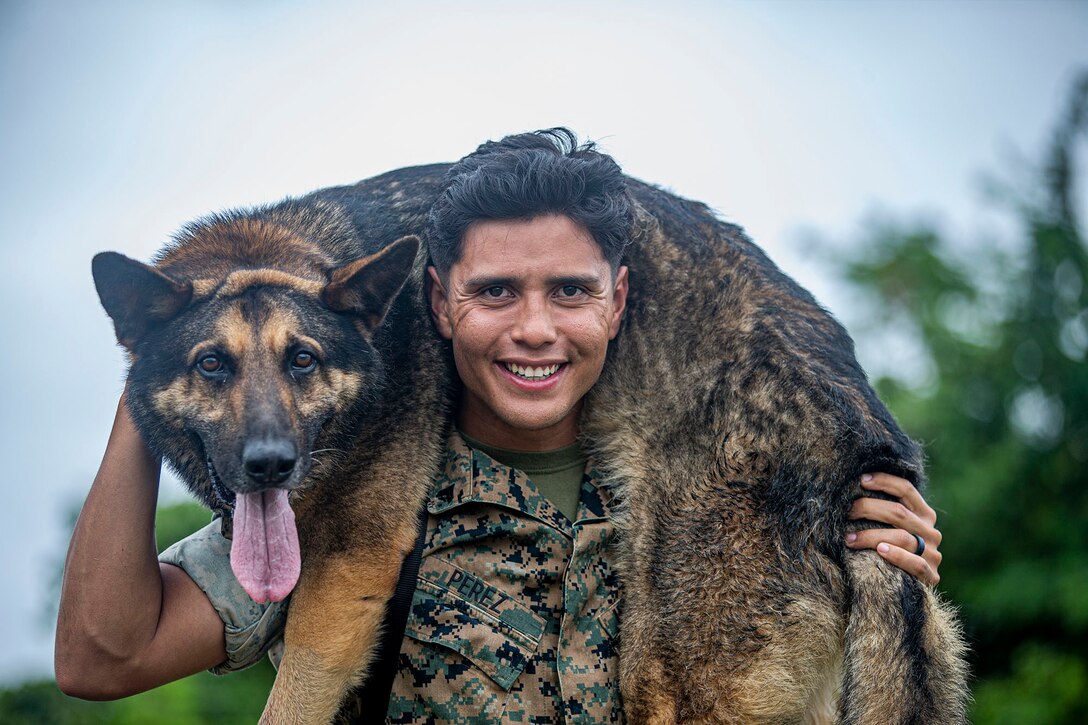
904, 658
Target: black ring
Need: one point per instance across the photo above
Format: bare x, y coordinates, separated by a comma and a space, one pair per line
921, 545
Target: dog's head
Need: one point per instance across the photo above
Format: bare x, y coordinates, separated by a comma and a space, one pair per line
234, 380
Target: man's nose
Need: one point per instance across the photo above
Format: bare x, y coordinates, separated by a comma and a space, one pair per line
534, 326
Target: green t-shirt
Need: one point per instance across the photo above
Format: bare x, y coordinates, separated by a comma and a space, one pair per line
557, 474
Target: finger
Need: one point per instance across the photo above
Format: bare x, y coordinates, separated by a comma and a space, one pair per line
903, 490
895, 514
872, 538
908, 562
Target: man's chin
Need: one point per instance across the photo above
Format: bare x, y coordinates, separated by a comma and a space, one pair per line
536, 430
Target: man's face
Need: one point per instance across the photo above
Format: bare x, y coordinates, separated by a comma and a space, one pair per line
529, 307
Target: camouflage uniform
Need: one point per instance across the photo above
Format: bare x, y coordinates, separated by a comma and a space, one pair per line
515, 612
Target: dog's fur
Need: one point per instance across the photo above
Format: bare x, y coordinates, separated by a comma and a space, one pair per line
731, 416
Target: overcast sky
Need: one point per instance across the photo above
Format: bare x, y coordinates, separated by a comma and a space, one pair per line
120, 121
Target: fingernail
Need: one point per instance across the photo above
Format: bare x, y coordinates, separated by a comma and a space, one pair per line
851, 538
883, 548
866, 477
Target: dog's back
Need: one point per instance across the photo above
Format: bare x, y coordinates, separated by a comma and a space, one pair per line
742, 603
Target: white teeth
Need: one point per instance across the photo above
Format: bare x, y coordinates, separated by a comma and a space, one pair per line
530, 373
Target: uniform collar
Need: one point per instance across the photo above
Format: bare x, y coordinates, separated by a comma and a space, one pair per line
471, 476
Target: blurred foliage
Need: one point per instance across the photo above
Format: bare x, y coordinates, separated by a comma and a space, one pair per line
202, 698
175, 522
1004, 416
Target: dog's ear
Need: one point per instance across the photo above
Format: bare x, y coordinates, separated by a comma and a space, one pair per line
136, 295
366, 287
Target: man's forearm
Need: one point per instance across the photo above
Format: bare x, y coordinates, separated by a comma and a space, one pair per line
111, 596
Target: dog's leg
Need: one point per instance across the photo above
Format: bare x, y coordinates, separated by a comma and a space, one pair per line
646, 691
330, 637
904, 650
655, 705
332, 630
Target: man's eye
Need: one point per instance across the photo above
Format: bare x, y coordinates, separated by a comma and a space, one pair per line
494, 292
570, 290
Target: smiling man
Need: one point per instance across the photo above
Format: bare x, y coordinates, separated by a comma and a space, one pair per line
517, 601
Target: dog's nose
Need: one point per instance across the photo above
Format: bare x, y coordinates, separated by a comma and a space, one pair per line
269, 461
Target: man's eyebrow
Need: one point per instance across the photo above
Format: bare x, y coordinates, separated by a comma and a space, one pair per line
482, 281
488, 281
496, 280
583, 280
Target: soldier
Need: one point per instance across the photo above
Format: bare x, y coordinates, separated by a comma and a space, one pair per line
517, 602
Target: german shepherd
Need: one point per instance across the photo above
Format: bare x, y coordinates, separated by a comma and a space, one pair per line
261, 367
262, 339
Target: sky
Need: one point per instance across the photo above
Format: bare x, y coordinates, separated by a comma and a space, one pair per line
120, 121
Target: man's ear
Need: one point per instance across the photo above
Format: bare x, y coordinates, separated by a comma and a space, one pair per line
366, 287
136, 295
619, 302
439, 311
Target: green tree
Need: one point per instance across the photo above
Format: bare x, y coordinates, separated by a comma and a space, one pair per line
1005, 420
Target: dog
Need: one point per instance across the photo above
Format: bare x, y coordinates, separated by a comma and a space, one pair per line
732, 419
260, 365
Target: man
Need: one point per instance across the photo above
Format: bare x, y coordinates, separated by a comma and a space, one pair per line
516, 605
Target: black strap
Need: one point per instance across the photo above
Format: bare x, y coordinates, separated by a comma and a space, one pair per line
374, 695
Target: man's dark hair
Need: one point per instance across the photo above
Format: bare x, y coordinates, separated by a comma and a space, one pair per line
528, 174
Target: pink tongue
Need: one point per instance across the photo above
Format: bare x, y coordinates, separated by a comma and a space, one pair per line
264, 548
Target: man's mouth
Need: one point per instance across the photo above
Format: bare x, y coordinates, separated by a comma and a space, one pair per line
528, 372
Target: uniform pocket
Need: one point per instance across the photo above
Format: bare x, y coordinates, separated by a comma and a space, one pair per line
459, 611
609, 619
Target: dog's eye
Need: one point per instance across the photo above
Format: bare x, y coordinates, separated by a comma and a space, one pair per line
211, 366
303, 362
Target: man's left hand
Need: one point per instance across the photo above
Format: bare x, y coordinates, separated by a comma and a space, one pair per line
909, 515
